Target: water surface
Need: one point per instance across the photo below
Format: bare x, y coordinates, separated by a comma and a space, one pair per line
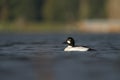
41, 57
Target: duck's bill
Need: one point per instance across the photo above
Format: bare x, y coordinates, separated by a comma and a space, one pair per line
64, 42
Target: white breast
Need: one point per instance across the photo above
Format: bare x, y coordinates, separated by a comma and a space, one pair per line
70, 48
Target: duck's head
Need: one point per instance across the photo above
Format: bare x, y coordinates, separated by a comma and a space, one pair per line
70, 41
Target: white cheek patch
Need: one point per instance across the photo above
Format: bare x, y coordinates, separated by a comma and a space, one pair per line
68, 42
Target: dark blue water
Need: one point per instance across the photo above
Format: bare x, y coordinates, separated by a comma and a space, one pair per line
41, 57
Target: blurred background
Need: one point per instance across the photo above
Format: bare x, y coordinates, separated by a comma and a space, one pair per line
32, 32
101, 16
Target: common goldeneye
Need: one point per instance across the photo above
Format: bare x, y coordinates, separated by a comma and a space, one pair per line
71, 46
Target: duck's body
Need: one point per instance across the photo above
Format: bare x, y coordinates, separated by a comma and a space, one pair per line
71, 46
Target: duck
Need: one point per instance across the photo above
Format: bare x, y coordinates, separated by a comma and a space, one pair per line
72, 47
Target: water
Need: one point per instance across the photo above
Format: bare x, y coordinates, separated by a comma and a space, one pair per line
41, 57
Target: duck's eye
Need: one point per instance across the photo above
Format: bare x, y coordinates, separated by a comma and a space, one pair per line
68, 42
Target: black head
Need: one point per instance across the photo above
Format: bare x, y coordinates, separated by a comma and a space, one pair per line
70, 41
